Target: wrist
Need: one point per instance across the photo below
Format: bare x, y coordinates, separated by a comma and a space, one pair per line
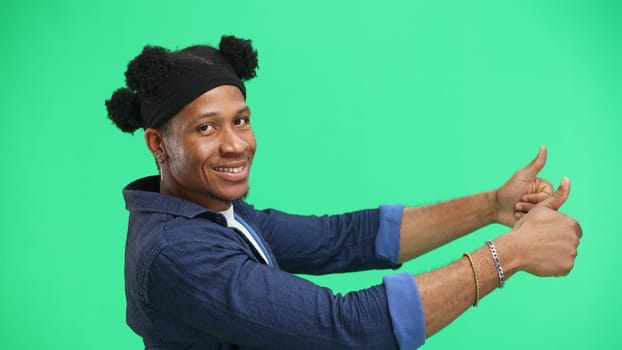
509, 254
503, 215
491, 210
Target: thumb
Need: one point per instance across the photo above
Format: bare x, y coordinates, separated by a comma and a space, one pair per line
532, 169
559, 197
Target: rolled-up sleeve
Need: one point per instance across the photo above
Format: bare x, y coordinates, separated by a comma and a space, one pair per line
403, 297
406, 310
388, 237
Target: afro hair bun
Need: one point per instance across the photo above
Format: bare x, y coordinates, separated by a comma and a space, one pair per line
241, 56
149, 70
155, 72
124, 110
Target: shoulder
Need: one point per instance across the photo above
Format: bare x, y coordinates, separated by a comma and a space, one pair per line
163, 231
173, 241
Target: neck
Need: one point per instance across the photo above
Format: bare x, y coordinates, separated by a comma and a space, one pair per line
206, 200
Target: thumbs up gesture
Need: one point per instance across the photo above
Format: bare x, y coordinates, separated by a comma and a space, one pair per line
523, 191
546, 240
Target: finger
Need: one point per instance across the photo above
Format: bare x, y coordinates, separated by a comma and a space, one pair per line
533, 168
546, 186
559, 196
518, 215
579, 231
524, 206
536, 197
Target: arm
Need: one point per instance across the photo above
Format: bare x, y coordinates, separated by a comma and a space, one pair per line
427, 227
544, 243
366, 239
327, 244
214, 294
220, 296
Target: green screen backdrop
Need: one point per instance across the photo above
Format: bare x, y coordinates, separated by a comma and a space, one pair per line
356, 103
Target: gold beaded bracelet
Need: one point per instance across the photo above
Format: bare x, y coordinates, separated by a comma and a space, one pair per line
476, 279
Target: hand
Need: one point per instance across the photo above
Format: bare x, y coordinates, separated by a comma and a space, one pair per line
522, 191
546, 239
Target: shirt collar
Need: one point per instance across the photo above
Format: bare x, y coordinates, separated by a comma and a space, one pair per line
143, 195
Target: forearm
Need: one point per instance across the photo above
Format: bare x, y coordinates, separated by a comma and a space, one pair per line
449, 291
427, 227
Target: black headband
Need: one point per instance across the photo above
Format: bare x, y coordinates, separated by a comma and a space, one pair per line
178, 92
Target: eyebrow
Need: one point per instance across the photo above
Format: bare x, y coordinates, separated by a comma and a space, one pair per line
214, 114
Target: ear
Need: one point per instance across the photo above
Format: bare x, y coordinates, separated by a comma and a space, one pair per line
154, 141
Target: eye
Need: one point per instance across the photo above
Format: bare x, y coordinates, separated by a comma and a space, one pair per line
242, 121
206, 128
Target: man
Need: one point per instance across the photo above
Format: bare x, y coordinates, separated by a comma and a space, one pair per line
205, 270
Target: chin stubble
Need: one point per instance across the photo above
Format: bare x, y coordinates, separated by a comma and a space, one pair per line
213, 196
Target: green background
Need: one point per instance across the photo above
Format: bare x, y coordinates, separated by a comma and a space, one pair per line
355, 104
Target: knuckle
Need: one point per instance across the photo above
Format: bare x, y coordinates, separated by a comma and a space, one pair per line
575, 241
569, 222
567, 268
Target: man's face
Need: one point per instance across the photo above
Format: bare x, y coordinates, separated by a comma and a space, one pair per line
210, 147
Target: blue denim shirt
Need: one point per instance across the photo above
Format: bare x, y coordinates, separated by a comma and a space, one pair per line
193, 283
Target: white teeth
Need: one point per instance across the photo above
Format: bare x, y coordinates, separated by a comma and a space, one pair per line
230, 170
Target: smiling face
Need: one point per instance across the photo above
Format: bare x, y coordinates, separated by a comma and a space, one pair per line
208, 148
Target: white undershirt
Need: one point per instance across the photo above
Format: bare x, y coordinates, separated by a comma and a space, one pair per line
232, 222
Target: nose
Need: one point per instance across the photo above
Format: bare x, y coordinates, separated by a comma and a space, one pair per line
231, 142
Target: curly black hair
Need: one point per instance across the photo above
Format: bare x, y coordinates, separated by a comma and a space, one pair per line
156, 74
